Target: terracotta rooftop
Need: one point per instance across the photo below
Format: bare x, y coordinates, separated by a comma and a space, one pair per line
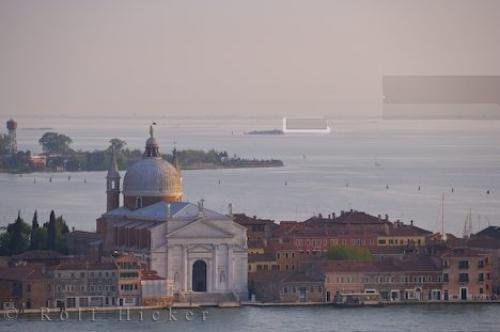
352, 217
243, 219
483, 242
491, 231
400, 229
27, 272
463, 252
411, 264
38, 255
86, 265
150, 275
386, 250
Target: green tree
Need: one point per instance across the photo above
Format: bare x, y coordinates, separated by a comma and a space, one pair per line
38, 234
17, 237
55, 143
117, 144
56, 229
4, 143
51, 231
345, 252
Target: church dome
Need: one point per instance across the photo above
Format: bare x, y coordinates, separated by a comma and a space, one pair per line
152, 177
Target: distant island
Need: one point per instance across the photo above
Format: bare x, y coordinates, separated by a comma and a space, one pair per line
266, 132
58, 156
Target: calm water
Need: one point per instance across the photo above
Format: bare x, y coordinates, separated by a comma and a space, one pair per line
394, 318
367, 155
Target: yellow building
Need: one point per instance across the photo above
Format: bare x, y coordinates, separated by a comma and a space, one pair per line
262, 262
400, 234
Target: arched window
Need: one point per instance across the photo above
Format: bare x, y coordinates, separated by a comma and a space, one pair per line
138, 203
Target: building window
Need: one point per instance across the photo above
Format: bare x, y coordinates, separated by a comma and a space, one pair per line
463, 264
480, 277
480, 264
463, 277
138, 203
445, 277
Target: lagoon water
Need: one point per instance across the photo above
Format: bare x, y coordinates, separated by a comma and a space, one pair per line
348, 169
431, 317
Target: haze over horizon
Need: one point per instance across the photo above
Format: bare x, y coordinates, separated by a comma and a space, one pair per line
216, 58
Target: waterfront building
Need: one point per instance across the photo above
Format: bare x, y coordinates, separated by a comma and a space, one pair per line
85, 284
129, 280
411, 279
286, 287
467, 275
24, 287
155, 290
192, 247
488, 240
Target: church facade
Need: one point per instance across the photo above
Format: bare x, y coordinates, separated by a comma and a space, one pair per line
196, 249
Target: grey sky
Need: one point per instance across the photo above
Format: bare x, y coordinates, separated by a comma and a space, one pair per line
217, 57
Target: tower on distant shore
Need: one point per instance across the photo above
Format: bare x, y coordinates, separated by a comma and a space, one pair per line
12, 127
113, 184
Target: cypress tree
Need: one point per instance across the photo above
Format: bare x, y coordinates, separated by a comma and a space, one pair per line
35, 229
51, 231
19, 236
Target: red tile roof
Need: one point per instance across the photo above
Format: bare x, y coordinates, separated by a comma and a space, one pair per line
463, 252
27, 272
85, 265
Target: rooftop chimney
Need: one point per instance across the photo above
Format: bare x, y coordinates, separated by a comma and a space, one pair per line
411, 222
230, 210
386, 217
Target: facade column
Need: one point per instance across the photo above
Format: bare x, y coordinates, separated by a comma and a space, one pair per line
185, 267
215, 279
230, 270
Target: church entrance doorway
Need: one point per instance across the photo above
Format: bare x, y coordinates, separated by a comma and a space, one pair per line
199, 276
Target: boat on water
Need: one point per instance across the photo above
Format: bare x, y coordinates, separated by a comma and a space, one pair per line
353, 300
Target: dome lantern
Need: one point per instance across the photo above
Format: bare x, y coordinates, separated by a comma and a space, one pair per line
151, 179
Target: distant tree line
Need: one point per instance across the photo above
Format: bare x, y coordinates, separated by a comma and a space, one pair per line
61, 156
19, 236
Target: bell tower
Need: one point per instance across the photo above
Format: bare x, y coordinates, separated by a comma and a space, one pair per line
113, 184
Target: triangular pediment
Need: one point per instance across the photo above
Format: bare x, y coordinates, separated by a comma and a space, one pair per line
200, 248
200, 229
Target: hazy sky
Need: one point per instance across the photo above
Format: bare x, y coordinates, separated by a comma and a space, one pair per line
218, 57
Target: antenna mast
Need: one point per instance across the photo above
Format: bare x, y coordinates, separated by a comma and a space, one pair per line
443, 234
